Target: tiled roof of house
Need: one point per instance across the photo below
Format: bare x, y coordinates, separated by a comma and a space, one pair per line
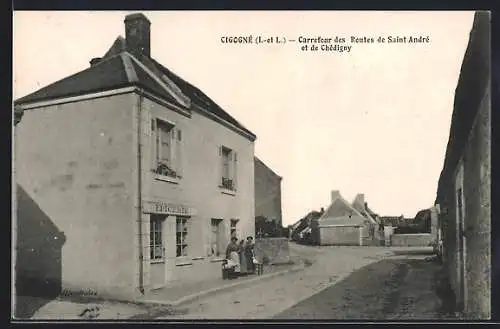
339, 210
363, 211
112, 73
109, 74
473, 81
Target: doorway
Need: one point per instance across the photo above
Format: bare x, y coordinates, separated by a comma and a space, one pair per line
157, 244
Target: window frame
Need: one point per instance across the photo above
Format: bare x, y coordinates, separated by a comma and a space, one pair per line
219, 225
184, 233
228, 169
175, 136
233, 228
155, 223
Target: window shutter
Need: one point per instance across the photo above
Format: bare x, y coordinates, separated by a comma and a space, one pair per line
154, 144
173, 160
231, 165
179, 149
220, 167
235, 169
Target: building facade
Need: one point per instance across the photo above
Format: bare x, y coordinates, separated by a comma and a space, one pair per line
267, 192
340, 224
464, 188
144, 175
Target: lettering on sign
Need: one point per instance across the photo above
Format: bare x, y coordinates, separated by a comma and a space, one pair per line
160, 207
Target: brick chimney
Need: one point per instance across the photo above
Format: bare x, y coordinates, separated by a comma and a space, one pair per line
138, 34
360, 199
335, 195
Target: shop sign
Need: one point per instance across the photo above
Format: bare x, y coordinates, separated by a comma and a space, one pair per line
160, 207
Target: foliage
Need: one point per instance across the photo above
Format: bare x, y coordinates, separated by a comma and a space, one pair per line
412, 229
269, 228
165, 170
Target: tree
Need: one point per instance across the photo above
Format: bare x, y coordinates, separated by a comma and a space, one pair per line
268, 228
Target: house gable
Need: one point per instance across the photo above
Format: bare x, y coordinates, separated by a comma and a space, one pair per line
116, 70
342, 212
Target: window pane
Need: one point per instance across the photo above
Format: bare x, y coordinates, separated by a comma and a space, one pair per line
158, 252
178, 253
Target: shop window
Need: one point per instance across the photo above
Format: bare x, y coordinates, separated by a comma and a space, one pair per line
155, 238
181, 236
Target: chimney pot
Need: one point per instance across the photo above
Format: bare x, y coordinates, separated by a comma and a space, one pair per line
335, 195
95, 60
138, 34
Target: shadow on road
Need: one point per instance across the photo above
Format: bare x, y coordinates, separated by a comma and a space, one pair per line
414, 252
38, 257
387, 290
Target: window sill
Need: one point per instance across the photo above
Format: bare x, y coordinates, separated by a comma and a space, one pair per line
183, 263
224, 190
157, 261
198, 258
216, 259
173, 180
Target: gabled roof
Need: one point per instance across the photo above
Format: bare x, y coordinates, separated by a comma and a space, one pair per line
312, 215
260, 162
117, 69
360, 206
339, 210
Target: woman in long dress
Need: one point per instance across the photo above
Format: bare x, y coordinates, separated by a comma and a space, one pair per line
232, 254
243, 259
249, 252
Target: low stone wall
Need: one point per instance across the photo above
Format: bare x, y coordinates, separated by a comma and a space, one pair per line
412, 240
276, 250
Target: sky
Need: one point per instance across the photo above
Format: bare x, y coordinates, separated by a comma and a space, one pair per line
374, 120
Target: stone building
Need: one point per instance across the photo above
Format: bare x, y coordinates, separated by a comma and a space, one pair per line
340, 224
130, 178
267, 192
464, 187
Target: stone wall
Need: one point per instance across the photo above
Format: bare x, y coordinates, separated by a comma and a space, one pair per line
469, 152
341, 235
275, 249
412, 240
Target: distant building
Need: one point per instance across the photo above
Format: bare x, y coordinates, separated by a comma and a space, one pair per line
340, 224
267, 192
394, 221
299, 228
464, 188
130, 178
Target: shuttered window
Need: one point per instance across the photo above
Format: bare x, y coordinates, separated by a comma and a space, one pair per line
228, 165
167, 148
